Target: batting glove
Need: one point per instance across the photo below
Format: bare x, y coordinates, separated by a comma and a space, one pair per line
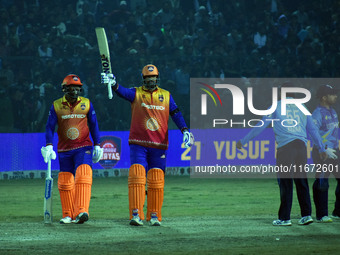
97, 153
48, 153
188, 139
331, 153
108, 79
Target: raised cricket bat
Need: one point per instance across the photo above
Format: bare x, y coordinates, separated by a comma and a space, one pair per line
48, 194
104, 54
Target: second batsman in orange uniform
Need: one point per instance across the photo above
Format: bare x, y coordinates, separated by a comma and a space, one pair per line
151, 107
76, 120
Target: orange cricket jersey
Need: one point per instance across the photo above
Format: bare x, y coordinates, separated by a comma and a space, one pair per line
149, 120
73, 131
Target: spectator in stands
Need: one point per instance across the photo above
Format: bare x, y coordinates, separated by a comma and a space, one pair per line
6, 116
165, 15
282, 27
260, 37
120, 14
208, 23
45, 51
19, 108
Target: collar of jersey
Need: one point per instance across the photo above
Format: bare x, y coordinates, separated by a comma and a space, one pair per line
65, 102
146, 90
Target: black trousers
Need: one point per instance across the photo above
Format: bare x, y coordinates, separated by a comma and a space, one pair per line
321, 185
293, 154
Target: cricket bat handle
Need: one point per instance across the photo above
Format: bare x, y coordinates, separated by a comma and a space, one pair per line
109, 88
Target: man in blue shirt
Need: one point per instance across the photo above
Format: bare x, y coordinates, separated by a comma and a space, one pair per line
291, 139
326, 120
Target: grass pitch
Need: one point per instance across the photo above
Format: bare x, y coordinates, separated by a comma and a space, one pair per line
200, 216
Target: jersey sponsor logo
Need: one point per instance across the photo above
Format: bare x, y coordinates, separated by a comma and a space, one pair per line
73, 116
72, 133
152, 124
153, 107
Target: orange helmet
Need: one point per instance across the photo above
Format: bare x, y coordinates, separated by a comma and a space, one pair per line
71, 79
148, 82
149, 70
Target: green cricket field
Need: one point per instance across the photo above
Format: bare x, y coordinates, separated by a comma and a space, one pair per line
200, 216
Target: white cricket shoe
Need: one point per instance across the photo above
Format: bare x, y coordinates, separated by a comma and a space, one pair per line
335, 217
282, 223
81, 218
66, 220
305, 220
136, 221
324, 219
154, 221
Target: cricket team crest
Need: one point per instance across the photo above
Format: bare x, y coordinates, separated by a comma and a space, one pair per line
112, 151
161, 98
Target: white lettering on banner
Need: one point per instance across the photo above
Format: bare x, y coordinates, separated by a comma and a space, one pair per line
73, 116
111, 156
153, 107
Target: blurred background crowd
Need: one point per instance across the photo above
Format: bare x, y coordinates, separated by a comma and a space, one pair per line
43, 41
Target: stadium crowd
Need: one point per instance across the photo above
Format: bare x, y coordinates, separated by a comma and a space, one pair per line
42, 41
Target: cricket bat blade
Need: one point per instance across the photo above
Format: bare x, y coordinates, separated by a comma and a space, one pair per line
48, 195
104, 54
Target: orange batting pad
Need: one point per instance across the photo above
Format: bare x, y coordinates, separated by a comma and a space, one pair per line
136, 184
155, 182
83, 184
66, 191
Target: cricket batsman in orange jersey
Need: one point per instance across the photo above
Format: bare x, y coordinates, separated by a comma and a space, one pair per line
151, 107
76, 119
